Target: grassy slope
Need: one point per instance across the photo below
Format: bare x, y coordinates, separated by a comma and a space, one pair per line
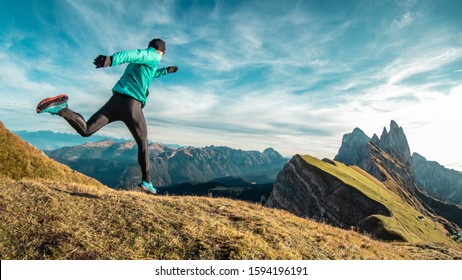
47, 220
404, 218
19, 159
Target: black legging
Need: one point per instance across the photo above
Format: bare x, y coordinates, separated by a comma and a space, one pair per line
119, 108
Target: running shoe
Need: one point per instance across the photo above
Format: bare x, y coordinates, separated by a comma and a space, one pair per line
147, 187
52, 105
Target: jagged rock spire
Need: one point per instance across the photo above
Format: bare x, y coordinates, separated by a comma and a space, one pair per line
395, 143
354, 149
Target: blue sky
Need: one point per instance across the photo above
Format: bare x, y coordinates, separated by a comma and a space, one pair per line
292, 75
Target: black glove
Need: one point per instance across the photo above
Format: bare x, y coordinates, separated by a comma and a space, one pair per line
102, 61
172, 69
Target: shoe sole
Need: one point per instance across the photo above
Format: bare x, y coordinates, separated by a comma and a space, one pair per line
146, 190
51, 101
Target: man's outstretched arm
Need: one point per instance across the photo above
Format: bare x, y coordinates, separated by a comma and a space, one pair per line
130, 56
165, 71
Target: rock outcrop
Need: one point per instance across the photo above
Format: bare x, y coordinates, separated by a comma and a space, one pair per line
309, 192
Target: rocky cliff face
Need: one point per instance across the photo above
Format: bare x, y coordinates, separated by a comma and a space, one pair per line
438, 181
115, 164
309, 192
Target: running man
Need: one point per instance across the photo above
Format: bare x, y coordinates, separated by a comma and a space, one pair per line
126, 103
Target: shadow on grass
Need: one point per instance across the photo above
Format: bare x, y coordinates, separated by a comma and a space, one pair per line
86, 195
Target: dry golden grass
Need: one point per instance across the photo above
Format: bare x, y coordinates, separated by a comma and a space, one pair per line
43, 219
19, 159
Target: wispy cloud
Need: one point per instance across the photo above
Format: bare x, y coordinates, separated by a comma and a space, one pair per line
405, 20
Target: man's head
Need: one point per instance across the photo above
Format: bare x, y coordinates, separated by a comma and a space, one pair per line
158, 44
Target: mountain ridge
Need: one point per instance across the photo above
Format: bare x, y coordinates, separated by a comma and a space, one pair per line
348, 197
115, 164
439, 181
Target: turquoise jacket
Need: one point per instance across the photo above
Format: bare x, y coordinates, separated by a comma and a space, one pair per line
139, 73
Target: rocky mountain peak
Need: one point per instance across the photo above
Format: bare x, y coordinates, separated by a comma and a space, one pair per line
100, 144
395, 143
358, 132
272, 153
375, 140
384, 133
353, 149
418, 157
378, 156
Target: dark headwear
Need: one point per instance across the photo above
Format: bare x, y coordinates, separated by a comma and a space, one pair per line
157, 44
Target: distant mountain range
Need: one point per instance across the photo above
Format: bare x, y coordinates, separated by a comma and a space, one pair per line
115, 164
46, 140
